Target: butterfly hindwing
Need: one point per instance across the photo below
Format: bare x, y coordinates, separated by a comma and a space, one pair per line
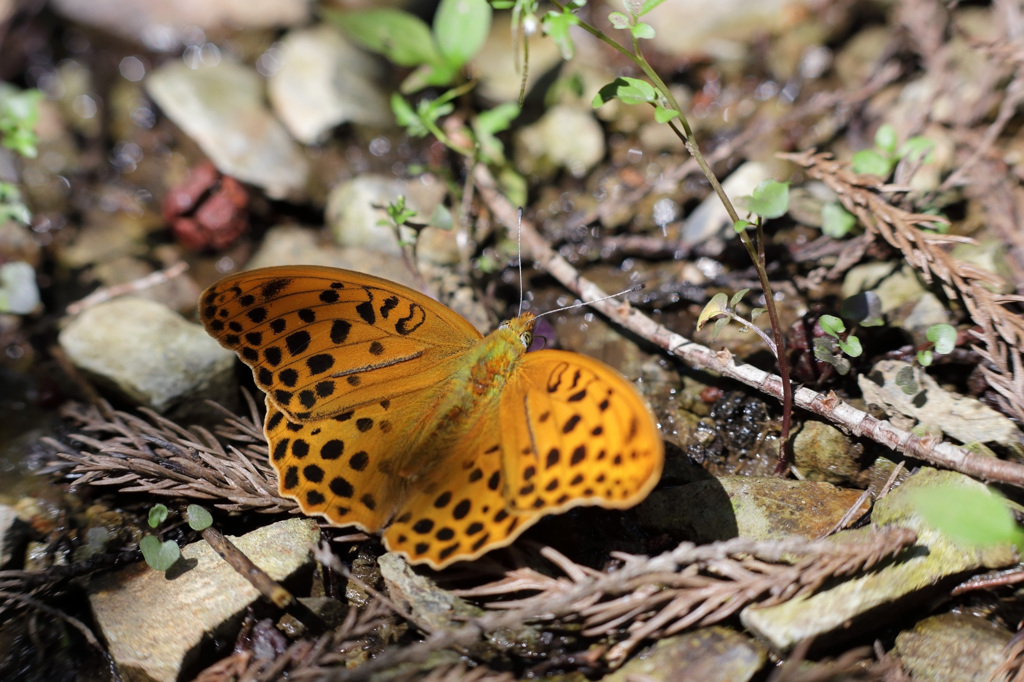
577, 433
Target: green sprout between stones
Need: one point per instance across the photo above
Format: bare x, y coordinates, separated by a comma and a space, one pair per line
887, 152
880, 160
438, 54
828, 348
19, 114
161, 555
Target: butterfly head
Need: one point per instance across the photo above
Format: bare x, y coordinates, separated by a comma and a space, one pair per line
520, 328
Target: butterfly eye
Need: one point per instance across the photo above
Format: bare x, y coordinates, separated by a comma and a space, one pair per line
526, 338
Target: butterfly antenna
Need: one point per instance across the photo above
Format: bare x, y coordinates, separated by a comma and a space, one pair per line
519, 247
580, 304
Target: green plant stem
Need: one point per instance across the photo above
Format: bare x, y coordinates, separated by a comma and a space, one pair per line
685, 134
780, 356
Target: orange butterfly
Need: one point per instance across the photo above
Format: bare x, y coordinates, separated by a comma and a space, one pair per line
389, 412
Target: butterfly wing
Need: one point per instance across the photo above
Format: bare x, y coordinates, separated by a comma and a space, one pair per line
346, 468
576, 432
459, 511
571, 431
321, 341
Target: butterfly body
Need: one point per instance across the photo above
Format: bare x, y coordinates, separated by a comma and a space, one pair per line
389, 412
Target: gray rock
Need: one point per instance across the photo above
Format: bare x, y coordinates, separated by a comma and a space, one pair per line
154, 625
221, 107
723, 28
936, 556
962, 417
324, 81
710, 221
709, 654
760, 508
290, 245
564, 137
953, 646
19, 293
160, 24
352, 218
150, 355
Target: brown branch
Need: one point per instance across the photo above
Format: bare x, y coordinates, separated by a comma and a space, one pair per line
829, 406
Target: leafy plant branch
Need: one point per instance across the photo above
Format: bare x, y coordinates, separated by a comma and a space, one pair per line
656, 93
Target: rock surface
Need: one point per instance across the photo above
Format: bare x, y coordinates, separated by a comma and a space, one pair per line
221, 107
154, 622
150, 355
325, 81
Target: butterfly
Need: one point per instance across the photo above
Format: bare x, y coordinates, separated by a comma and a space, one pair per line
389, 412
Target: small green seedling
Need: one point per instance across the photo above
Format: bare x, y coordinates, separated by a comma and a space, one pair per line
161, 555
887, 152
157, 515
459, 31
19, 114
943, 338
836, 221
198, 518
828, 348
770, 199
722, 309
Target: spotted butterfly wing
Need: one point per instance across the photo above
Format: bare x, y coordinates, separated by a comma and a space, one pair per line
389, 412
321, 341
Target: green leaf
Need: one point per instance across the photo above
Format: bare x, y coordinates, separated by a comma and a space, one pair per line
159, 555
756, 313
885, 138
643, 31
663, 114
718, 326
737, 297
917, 147
619, 20
461, 27
405, 116
924, 358
831, 325
157, 515
198, 518
19, 114
836, 221
427, 75
556, 26
648, 6
943, 336
718, 305
825, 351
870, 162
969, 515
401, 37
851, 346
741, 225
628, 91
770, 199
496, 120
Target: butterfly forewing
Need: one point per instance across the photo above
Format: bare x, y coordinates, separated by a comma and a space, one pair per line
321, 341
